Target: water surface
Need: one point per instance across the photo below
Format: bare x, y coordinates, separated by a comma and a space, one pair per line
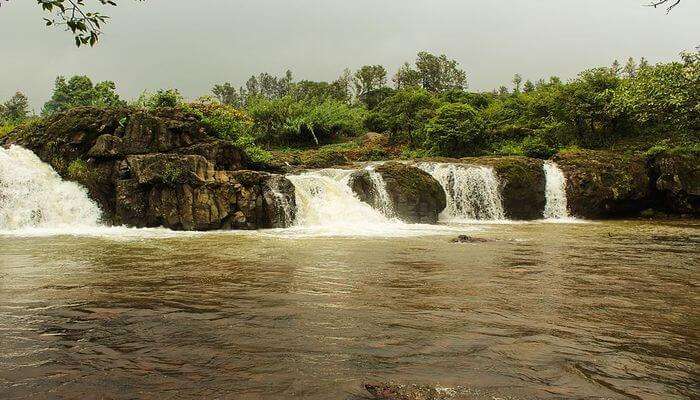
552, 311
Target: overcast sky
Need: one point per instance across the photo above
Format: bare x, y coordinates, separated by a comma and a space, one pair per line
191, 45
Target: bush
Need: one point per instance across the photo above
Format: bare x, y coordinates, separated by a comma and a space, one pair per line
287, 121
534, 146
161, 98
403, 114
456, 129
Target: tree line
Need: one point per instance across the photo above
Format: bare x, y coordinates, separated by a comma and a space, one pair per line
426, 107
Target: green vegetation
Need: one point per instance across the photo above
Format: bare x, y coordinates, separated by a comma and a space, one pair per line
428, 112
78, 170
79, 91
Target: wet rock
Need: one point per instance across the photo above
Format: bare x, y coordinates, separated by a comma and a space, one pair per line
677, 182
394, 391
159, 168
106, 147
470, 239
170, 169
522, 184
603, 184
416, 196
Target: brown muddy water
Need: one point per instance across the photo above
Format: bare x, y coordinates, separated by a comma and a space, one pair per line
547, 311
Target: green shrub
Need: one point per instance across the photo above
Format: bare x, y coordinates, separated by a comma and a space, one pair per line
534, 146
455, 130
509, 148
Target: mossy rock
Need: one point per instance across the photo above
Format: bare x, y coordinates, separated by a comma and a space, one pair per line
604, 184
522, 184
416, 196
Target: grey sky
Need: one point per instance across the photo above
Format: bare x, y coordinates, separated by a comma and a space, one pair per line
191, 45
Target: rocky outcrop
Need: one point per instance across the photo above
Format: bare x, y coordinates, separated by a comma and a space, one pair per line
415, 196
676, 182
159, 168
603, 184
521, 183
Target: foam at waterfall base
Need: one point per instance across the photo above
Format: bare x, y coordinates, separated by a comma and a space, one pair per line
327, 206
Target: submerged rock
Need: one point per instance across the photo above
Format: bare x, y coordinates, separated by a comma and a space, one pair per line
394, 391
469, 239
415, 196
159, 168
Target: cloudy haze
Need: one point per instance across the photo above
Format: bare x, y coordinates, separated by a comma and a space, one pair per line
191, 45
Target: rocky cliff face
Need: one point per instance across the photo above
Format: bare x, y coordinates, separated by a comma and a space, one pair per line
416, 196
676, 182
159, 168
602, 184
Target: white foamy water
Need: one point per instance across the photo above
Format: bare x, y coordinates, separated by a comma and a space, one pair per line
327, 206
555, 193
385, 204
472, 192
33, 196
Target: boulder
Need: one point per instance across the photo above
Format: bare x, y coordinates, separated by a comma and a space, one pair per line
229, 200
415, 196
603, 184
677, 182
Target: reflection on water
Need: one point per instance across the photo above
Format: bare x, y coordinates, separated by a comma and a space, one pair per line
581, 311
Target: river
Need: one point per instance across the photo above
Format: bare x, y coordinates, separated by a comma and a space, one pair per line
597, 310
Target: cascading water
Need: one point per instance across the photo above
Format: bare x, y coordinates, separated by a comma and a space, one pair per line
555, 192
33, 195
383, 200
472, 191
324, 198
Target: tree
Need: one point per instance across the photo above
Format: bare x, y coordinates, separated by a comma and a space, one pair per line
79, 91
15, 110
664, 96
455, 129
368, 79
615, 68
438, 73
85, 25
227, 94
406, 77
517, 80
435, 74
669, 4
630, 69
528, 86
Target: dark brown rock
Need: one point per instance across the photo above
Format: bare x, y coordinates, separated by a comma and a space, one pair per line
603, 184
677, 182
106, 147
156, 168
416, 196
522, 184
159, 168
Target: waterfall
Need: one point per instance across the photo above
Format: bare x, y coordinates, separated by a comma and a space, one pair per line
282, 204
324, 198
383, 200
555, 192
33, 195
472, 191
